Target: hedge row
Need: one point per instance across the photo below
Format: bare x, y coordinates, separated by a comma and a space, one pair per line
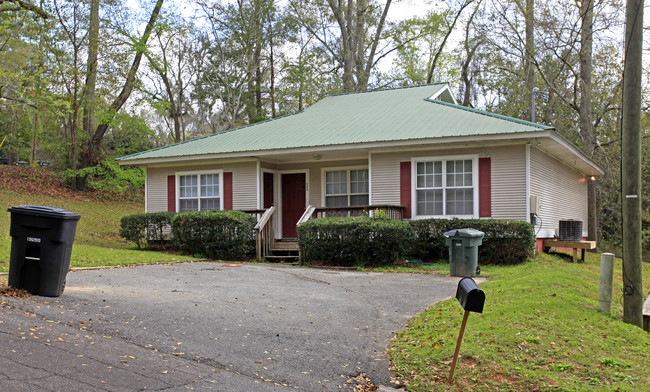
145, 229
504, 242
215, 234
373, 241
354, 241
332, 241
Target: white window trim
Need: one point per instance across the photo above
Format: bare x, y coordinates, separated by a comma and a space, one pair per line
415, 160
323, 186
198, 173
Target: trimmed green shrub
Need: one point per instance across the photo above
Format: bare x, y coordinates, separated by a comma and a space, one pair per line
357, 241
215, 234
504, 243
144, 229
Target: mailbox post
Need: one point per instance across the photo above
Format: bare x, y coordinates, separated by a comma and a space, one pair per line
471, 298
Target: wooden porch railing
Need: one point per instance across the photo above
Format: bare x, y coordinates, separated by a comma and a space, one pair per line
264, 234
384, 210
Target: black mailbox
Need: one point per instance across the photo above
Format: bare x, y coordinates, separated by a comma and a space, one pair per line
470, 296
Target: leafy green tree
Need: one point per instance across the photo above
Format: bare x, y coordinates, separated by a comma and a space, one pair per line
238, 75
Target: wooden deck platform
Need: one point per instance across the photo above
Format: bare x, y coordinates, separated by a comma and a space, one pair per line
575, 245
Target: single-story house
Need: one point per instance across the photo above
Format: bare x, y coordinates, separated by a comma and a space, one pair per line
412, 151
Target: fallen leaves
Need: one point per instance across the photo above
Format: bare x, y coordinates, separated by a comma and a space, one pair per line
13, 292
362, 383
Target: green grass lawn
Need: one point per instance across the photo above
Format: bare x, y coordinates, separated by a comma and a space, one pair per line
97, 242
540, 331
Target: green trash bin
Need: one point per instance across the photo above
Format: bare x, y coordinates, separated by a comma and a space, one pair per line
463, 251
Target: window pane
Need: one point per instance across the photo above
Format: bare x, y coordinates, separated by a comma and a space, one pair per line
437, 180
212, 203
188, 186
188, 205
460, 201
209, 185
359, 200
336, 201
468, 166
336, 182
358, 181
429, 175
429, 202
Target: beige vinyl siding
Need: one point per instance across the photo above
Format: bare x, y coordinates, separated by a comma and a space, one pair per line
562, 190
508, 185
244, 184
508, 166
157, 189
384, 177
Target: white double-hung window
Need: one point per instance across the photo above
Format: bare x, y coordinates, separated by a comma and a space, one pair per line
446, 187
199, 191
346, 188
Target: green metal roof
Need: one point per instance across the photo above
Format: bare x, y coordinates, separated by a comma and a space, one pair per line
356, 118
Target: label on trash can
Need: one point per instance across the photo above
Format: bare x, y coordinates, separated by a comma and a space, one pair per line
32, 239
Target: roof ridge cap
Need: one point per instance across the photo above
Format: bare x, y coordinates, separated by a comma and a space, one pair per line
386, 89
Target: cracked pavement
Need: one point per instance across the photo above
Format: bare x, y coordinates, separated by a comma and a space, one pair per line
208, 326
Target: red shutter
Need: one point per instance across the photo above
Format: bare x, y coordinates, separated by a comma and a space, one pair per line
484, 187
227, 191
405, 187
171, 193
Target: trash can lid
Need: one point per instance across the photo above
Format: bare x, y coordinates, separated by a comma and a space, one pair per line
47, 211
467, 233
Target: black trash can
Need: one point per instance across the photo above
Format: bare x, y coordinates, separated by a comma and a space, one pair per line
41, 245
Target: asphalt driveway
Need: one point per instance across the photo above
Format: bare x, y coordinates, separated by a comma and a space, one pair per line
275, 327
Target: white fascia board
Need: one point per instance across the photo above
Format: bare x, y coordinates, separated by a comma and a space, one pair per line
181, 161
575, 151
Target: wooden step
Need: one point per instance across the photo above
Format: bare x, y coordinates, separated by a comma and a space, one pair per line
285, 245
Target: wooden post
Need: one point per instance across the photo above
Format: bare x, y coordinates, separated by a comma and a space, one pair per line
460, 340
631, 164
606, 279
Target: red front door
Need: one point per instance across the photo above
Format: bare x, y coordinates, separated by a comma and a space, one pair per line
268, 190
293, 202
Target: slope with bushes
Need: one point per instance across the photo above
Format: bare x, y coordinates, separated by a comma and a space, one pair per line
97, 241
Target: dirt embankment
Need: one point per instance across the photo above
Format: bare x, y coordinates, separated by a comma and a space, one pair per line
36, 181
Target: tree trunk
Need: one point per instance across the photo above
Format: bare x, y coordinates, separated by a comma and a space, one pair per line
470, 51
585, 112
90, 154
272, 66
90, 119
529, 47
352, 22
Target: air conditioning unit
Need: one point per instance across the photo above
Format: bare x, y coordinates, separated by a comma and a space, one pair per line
570, 230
